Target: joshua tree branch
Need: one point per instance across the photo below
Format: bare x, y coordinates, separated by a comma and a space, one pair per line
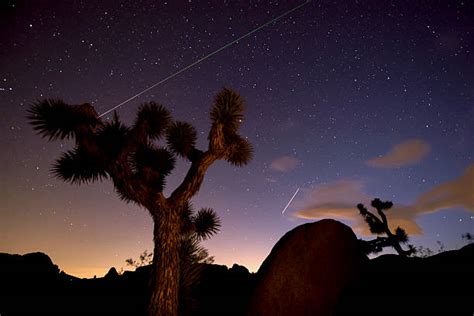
384, 219
216, 138
201, 162
372, 216
194, 178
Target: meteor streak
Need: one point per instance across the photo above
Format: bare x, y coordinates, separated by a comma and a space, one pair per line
291, 200
206, 57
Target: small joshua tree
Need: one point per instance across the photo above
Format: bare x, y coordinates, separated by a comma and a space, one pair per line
138, 167
379, 226
468, 237
144, 259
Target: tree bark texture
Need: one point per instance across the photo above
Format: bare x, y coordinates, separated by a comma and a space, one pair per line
164, 296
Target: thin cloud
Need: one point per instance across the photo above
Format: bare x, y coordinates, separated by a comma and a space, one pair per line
341, 211
456, 193
344, 191
284, 163
339, 199
408, 153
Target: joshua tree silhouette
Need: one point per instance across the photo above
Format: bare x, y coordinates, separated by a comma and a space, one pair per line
468, 237
379, 226
138, 166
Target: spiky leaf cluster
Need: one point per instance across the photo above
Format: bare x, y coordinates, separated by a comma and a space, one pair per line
380, 205
112, 138
55, 119
124, 196
203, 224
181, 138
153, 164
242, 152
401, 235
193, 256
206, 223
153, 119
77, 166
227, 116
228, 110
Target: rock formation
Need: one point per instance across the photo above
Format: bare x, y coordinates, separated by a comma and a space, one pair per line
307, 271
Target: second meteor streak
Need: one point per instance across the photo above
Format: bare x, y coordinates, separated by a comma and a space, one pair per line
291, 200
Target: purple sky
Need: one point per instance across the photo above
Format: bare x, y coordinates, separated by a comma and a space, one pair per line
345, 100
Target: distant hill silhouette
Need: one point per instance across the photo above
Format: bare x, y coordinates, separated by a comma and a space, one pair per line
32, 284
441, 284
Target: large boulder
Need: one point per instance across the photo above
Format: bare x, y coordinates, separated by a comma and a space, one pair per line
307, 271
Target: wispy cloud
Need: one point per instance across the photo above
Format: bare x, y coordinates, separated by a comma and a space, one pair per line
284, 163
456, 193
339, 199
408, 153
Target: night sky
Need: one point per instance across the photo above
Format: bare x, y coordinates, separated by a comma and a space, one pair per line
346, 101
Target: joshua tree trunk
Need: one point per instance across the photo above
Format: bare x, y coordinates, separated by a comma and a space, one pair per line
164, 296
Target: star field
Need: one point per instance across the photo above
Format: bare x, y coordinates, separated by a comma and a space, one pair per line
329, 88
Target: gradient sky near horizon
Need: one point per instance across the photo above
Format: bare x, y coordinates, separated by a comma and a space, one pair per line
346, 100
